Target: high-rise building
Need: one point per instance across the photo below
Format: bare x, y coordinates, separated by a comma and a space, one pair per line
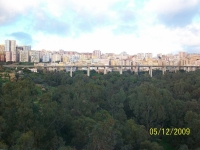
7, 45
13, 56
8, 56
10, 45
96, 53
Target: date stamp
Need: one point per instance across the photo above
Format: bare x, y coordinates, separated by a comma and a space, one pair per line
169, 131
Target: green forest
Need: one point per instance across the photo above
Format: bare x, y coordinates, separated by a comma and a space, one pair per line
53, 111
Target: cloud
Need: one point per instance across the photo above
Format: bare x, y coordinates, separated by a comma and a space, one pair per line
126, 29
179, 19
72, 22
178, 13
147, 25
9, 10
22, 37
50, 25
69, 18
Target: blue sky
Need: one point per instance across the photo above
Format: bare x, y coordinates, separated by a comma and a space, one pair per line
134, 26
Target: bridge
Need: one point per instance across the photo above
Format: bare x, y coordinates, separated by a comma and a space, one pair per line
105, 67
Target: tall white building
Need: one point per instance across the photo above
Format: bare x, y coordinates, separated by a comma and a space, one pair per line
7, 45
10, 45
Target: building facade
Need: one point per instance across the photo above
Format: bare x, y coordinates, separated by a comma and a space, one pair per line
96, 54
24, 56
10, 45
34, 56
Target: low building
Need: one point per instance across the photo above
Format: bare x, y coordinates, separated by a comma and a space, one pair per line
33, 69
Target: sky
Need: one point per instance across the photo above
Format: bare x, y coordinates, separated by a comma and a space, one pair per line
112, 26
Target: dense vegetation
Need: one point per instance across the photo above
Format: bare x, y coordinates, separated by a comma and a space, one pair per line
102, 112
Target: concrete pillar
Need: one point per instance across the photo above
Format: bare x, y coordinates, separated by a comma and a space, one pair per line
70, 71
175, 69
88, 71
136, 70
150, 71
105, 70
188, 69
185, 69
120, 71
163, 70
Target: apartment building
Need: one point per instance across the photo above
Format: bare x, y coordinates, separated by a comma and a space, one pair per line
24, 56
34, 56
96, 54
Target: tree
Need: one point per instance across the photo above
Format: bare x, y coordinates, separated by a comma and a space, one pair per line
103, 135
116, 104
146, 104
134, 134
150, 146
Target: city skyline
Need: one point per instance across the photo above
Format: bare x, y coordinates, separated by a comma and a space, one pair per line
135, 27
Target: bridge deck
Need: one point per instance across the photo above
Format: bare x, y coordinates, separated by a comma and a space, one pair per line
32, 66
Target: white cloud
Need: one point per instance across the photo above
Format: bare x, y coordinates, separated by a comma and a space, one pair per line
189, 35
17, 6
151, 35
170, 6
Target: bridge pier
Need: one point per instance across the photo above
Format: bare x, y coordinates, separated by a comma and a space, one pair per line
189, 69
150, 71
105, 72
70, 71
88, 71
120, 71
175, 69
163, 70
136, 70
